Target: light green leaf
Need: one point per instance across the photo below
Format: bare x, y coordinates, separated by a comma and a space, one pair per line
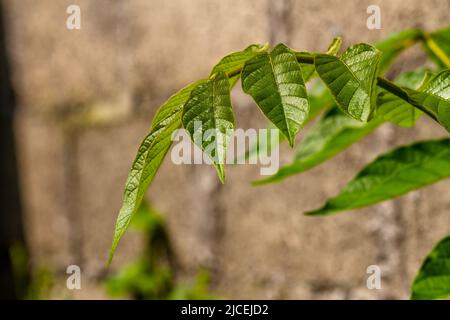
433, 279
332, 134
393, 174
149, 157
352, 79
276, 84
393, 45
319, 99
233, 63
392, 108
437, 45
209, 119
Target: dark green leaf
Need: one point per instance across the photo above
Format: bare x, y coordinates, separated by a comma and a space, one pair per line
433, 279
276, 84
149, 157
209, 119
393, 174
352, 79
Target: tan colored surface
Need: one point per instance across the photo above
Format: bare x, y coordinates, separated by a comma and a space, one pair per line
130, 56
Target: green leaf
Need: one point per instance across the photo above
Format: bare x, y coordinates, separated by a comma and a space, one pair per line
352, 79
319, 99
393, 45
276, 84
209, 119
435, 97
392, 108
437, 45
149, 157
233, 63
433, 279
332, 134
393, 174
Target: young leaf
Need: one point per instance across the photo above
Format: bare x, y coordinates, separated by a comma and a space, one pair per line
233, 63
332, 134
433, 279
276, 84
335, 46
209, 119
393, 174
352, 79
149, 157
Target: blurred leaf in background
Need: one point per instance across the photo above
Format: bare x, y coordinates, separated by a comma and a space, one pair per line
153, 275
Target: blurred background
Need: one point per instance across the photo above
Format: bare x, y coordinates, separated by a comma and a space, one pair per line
75, 105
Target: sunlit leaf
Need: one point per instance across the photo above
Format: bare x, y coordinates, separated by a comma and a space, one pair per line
393, 174
276, 84
352, 79
149, 157
209, 119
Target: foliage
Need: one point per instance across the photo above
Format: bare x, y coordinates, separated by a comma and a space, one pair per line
433, 279
349, 90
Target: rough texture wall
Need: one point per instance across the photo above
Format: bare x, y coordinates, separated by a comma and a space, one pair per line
86, 100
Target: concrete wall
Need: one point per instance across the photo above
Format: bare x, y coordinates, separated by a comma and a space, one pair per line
87, 98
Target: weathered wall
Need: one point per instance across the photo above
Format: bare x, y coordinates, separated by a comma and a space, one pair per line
86, 100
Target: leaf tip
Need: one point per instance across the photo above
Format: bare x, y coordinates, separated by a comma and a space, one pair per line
291, 141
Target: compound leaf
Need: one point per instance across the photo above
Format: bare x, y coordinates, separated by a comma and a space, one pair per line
276, 84
148, 159
209, 119
393, 174
433, 279
352, 79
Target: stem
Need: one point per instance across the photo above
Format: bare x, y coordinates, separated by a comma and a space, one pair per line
304, 57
